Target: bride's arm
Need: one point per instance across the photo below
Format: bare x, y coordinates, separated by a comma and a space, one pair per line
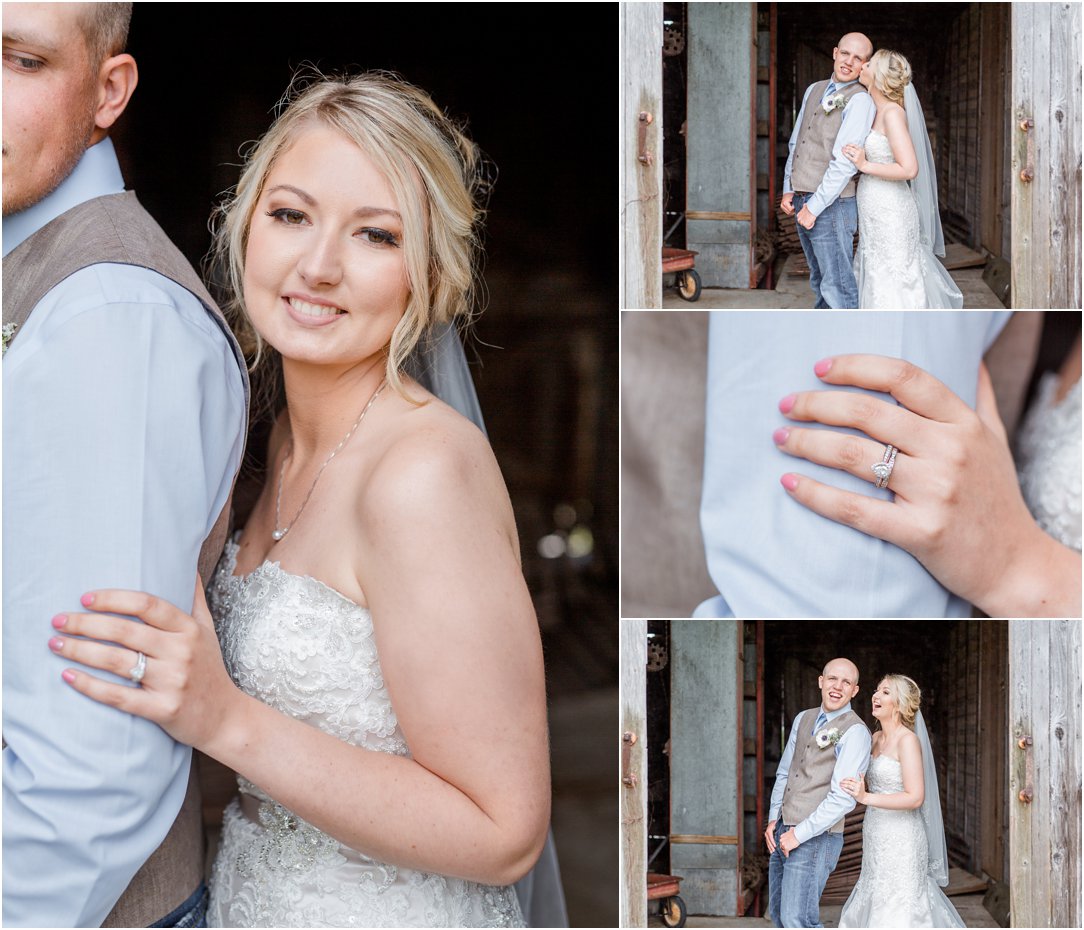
461, 657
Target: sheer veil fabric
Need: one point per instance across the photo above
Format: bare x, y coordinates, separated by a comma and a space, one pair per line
931, 808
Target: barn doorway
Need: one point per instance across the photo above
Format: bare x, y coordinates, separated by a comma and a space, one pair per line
720, 135
720, 700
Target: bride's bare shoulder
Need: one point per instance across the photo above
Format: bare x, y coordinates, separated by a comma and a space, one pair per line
433, 459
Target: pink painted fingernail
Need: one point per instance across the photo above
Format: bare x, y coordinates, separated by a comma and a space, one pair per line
56, 644
59, 620
790, 482
780, 436
68, 675
86, 600
822, 367
786, 403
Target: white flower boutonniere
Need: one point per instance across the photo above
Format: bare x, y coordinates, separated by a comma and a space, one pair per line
836, 102
826, 738
8, 333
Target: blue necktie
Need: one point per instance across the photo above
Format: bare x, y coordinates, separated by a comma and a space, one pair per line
831, 89
822, 719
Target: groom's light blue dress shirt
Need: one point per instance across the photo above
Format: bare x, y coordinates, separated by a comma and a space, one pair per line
123, 426
852, 759
858, 118
767, 554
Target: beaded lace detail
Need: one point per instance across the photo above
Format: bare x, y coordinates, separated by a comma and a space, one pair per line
308, 651
1048, 460
893, 267
895, 888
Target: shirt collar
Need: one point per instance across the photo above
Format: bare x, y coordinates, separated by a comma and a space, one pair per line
835, 713
833, 82
96, 175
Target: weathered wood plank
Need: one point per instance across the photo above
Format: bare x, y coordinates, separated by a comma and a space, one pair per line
720, 140
640, 249
705, 789
633, 891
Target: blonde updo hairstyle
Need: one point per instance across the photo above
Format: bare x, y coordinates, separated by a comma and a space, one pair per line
434, 171
906, 694
891, 73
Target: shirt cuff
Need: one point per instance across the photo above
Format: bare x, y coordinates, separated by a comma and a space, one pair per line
803, 832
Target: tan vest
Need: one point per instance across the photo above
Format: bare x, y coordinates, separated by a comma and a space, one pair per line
118, 230
816, 136
811, 767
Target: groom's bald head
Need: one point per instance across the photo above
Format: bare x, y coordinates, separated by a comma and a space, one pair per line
838, 683
853, 51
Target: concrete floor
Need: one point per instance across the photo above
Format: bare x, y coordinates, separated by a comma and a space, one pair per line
793, 293
969, 906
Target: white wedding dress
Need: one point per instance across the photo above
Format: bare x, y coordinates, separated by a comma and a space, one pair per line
308, 651
894, 267
1048, 461
895, 888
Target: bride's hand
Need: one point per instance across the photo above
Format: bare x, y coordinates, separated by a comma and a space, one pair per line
856, 155
185, 689
855, 787
958, 507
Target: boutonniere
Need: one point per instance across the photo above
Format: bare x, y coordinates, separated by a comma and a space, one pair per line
826, 738
8, 333
836, 102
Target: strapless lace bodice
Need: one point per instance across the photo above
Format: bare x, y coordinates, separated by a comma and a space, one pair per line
895, 888
892, 267
1049, 459
306, 650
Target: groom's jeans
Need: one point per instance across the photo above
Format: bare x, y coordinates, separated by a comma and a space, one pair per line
795, 883
829, 250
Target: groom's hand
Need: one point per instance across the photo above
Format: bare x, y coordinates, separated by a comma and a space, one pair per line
787, 204
806, 218
788, 842
769, 836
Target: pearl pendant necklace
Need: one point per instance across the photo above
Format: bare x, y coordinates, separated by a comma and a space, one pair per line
280, 532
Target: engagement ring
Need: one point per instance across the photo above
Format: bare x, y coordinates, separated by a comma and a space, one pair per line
883, 469
137, 671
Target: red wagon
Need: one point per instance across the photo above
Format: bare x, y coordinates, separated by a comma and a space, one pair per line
664, 889
681, 262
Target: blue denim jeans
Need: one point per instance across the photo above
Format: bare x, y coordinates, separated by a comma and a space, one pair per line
795, 883
829, 250
190, 913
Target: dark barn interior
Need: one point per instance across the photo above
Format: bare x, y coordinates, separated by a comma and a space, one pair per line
960, 59
962, 668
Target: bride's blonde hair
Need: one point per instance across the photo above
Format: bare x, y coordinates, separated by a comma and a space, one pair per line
891, 73
906, 694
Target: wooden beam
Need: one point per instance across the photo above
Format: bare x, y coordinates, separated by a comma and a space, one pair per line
716, 215
703, 839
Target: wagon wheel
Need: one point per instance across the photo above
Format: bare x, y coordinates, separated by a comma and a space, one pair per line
689, 286
673, 912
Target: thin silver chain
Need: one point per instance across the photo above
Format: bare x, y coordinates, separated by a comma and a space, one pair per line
279, 533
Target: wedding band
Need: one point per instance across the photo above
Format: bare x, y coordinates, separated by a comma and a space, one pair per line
137, 671
883, 469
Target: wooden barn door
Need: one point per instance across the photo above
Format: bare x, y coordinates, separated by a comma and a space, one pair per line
641, 156
1044, 772
720, 171
1046, 155
632, 743
705, 763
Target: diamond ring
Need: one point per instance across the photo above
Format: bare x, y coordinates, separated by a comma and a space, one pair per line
137, 671
883, 469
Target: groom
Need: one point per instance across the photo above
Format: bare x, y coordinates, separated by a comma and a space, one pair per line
818, 181
805, 830
124, 411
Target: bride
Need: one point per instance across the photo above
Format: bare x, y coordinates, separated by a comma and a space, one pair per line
903, 837
898, 223
379, 688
